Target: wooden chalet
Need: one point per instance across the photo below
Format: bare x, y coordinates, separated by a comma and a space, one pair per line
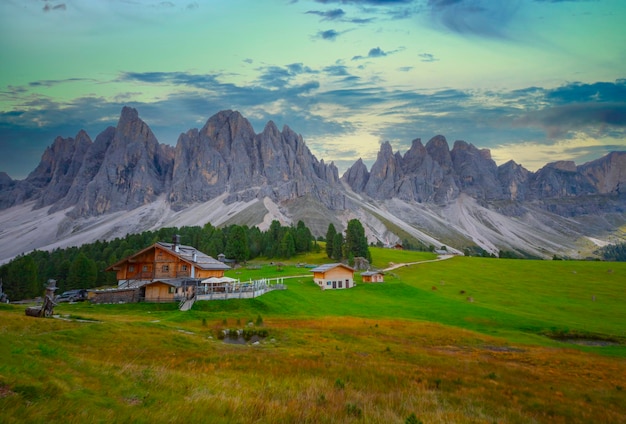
333, 276
166, 272
372, 277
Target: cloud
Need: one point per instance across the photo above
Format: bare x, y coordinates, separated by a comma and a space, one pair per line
373, 53
328, 15
330, 34
592, 118
51, 7
324, 104
51, 83
598, 109
484, 18
367, 2
376, 52
427, 57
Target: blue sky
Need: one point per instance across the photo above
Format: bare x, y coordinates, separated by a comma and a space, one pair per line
532, 80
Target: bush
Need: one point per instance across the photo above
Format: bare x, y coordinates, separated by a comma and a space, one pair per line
412, 419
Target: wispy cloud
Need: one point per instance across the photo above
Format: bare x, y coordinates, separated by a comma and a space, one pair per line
49, 7
328, 15
373, 53
427, 57
329, 34
485, 18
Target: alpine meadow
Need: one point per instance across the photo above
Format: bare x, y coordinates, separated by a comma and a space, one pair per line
458, 340
313, 211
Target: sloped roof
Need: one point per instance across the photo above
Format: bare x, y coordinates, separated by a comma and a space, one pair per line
369, 273
185, 253
326, 267
203, 261
173, 282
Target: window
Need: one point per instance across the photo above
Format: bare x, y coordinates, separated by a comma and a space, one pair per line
165, 268
184, 268
172, 289
145, 268
340, 286
131, 268
328, 283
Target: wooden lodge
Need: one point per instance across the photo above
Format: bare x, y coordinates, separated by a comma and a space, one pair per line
166, 272
333, 276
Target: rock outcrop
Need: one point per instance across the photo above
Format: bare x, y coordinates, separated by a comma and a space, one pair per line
126, 168
436, 174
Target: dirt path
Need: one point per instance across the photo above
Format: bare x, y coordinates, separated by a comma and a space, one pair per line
439, 258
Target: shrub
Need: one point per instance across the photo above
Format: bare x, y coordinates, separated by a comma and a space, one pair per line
412, 419
354, 410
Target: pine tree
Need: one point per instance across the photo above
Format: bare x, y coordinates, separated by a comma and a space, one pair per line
287, 246
356, 241
337, 253
303, 238
83, 273
23, 279
330, 238
237, 244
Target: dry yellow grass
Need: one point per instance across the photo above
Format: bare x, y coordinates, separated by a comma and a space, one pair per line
325, 370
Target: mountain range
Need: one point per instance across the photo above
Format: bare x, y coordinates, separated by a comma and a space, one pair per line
224, 173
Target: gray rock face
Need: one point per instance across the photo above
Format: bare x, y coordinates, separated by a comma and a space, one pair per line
514, 180
126, 168
423, 174
356, 176
436, 174
226, 156
133, 172
476, 173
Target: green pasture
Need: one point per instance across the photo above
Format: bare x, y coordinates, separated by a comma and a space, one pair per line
459, 340
520, 300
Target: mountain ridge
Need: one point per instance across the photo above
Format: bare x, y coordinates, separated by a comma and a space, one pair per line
82, 184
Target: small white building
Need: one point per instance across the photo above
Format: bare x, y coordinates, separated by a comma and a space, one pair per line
333, 276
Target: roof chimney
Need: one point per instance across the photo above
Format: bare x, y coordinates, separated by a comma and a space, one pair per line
195, 256
176, 243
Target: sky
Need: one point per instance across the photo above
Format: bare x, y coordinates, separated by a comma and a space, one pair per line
534, 81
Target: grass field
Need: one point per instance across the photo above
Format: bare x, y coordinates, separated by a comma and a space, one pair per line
414, 346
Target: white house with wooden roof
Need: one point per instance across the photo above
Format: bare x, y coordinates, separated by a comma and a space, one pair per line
166, 271
333, 276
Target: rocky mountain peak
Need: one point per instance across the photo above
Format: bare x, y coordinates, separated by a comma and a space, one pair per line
438, 149
563, 165
356, 176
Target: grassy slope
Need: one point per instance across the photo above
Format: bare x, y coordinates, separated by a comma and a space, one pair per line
360, 355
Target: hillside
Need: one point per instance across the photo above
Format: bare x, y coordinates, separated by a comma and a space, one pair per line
126, 181
524, 349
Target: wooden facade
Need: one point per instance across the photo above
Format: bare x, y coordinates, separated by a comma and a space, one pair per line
372, 277
166, 271
165, 261
333, 276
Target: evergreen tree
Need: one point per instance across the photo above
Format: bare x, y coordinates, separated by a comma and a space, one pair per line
83, 273
330, 238
356, 242
23, 279
337, 253
237, 244
303, 238
287, 246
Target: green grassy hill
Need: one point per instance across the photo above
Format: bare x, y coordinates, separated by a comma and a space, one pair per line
461, 340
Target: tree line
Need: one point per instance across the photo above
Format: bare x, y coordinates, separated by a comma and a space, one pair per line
83, 267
